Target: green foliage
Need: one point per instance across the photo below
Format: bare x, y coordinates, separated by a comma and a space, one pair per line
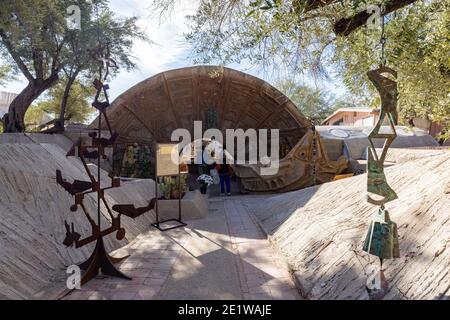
418, 46
262, 33
101, 34
168, 186
5, 74
102, 29
78, 109
350, 101
33, 41
313, 103
34, 117
36, 41
32, 33
35, 32
284, 36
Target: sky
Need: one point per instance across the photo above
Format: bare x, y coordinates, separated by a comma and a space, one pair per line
169, 49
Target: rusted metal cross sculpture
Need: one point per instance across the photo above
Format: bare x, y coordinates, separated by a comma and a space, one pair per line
100, 260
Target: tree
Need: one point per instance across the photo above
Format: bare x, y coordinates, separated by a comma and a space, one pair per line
32, 35
349, 100
417, 46
343, 26
78, 103
330, 38
99, 32
36, 41
315, 104
268, 32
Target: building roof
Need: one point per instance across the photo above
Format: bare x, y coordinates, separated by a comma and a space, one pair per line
362, 109
5, 100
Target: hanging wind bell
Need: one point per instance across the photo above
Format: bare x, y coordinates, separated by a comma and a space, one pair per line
382, 236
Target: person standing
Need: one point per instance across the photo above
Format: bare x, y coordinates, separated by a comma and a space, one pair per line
225, 173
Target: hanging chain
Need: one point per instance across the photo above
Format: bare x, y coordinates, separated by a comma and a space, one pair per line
383, 40
314, 155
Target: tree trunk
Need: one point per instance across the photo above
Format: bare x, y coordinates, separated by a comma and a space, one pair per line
14, 119
59, 125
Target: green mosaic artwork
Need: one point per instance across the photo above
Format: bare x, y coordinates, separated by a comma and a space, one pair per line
133, 161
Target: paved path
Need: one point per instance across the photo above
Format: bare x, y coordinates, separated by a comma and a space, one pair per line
224, 256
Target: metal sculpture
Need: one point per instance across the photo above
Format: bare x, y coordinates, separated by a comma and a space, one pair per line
376, 182
382, 236
100, 260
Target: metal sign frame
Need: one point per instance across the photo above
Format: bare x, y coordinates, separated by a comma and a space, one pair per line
158, 223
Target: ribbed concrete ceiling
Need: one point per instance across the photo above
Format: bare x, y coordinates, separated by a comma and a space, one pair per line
220, 97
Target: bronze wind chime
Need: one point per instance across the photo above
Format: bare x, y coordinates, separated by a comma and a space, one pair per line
382, 236
100, 260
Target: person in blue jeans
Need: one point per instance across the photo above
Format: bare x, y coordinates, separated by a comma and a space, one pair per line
225, 173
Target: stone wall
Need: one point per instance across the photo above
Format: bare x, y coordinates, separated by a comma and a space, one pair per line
320, 231
33, 209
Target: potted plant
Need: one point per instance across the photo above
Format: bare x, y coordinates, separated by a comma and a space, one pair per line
165, 187
169, 189
206, 180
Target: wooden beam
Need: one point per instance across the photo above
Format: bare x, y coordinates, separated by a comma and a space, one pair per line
346, 26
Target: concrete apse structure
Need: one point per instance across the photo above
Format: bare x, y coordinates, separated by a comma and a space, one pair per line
224, 98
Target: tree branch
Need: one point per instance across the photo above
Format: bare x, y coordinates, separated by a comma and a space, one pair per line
38, 63
54, 67
346, 26
16, 57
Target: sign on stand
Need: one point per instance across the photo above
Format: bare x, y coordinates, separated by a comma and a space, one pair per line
167, 164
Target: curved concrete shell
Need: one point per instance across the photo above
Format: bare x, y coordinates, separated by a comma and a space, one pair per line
221, 98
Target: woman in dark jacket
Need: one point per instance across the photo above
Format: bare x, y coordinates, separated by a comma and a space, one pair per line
225, 173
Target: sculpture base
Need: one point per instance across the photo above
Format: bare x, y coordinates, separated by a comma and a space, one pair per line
100, 260
179, 224
194, 205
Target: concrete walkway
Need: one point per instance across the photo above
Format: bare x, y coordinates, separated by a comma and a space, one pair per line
224, 256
